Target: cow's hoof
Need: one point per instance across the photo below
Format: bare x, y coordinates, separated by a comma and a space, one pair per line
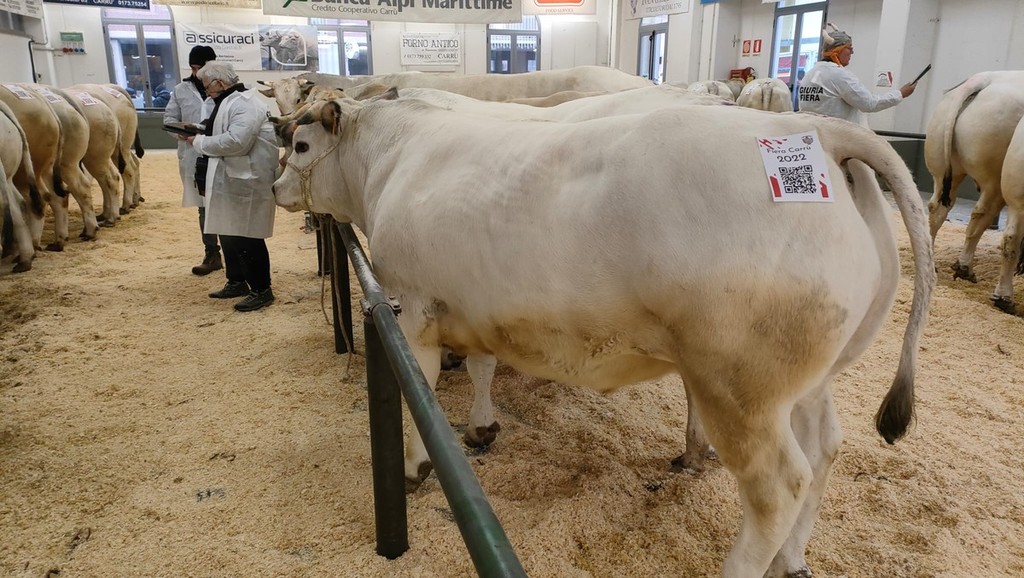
481, 436
412, 484
963, 272
141, 200
1004, 304
86, 236
22, 267
692, 462
122, 211
55, 247
106, 223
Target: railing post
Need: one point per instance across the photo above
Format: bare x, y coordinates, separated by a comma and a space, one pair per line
386, 446
341, 293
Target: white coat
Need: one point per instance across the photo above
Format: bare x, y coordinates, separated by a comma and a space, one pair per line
243, 158
832, 90
187, 105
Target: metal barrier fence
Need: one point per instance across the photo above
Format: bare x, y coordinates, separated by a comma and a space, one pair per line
391, 373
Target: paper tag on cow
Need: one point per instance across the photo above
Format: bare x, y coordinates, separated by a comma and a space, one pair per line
85, 97
18, 91
113, 91
796, 168
49, 95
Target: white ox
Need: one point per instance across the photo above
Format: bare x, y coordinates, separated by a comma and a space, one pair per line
968, 134
766, 94
713, 87
568, 258
120, 103
15, 158
501, 87
1013, 193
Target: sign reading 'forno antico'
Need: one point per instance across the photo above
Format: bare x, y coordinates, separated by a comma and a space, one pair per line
438, 11
431, 49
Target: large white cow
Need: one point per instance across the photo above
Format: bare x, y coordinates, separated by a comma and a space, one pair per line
1013, 237
968, 134
120, 103
500, 87
15, 158
713, 87
74, 131
611, 251
766, 94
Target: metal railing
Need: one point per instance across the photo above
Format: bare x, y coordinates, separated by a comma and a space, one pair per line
391, 373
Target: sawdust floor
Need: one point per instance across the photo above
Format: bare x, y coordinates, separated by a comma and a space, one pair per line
147, 430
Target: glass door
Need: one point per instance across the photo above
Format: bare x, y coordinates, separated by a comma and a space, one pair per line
140, 45
653, 35
797, 40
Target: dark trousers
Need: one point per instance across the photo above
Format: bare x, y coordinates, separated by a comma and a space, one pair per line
209, 241
246, 259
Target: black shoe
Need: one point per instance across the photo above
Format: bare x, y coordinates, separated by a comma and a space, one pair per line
255, 300
231, 289
210, 264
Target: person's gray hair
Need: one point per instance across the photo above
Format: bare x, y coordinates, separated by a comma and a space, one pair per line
222, 71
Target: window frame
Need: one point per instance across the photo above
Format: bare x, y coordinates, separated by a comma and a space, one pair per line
340, 27
514, 30
140, 22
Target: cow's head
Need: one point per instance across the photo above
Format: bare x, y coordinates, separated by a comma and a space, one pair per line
288, 93
314, 178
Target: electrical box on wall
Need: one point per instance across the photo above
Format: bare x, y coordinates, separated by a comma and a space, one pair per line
72, 42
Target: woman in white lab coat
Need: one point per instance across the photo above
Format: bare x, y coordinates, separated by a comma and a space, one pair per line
243, 155
829, 88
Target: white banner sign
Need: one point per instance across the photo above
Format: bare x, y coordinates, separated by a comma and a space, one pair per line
237, 45
435, 11
253, 4
550, 7
30, 8
431, 49
643, 8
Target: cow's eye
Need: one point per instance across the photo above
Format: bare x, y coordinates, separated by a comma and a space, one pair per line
301, 147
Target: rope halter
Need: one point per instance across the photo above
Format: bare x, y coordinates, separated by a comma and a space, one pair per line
305, 175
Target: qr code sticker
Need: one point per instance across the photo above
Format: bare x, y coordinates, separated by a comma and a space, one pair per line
798, 180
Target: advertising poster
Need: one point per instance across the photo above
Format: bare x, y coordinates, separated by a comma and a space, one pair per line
431, 48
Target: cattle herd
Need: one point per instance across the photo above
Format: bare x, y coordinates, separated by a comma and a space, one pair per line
588, 227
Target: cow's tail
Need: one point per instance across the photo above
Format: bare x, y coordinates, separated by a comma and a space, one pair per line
897, 409
965, 93
137, 145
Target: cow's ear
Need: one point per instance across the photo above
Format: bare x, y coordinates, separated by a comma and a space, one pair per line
330, 117
263, 83
267, 92
390, 94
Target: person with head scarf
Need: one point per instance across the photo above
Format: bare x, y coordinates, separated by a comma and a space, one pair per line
829, 88
188, 104
240, 142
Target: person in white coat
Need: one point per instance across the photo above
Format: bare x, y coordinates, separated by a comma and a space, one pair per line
829, 88
243, 155
188, 103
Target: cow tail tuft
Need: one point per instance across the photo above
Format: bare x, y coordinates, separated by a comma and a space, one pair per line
58, 182
121, 164
947, 184
139, 151
35, 200
1020, 260
897, 409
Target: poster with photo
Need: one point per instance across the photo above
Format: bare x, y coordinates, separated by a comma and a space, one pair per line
291, 48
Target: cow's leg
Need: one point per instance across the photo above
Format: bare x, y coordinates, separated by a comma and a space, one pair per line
755, 442
483, 427
987, 209
22, 238
697, 447
417, 462
1002, 298
816, 425
938, 210
60, 222
81, 189
107, 177
129, 179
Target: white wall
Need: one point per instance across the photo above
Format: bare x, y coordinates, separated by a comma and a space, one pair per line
15, 66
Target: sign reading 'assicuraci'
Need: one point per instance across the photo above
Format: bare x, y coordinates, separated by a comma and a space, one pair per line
130, 4
436, 11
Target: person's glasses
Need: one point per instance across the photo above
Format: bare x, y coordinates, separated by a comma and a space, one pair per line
209, 87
